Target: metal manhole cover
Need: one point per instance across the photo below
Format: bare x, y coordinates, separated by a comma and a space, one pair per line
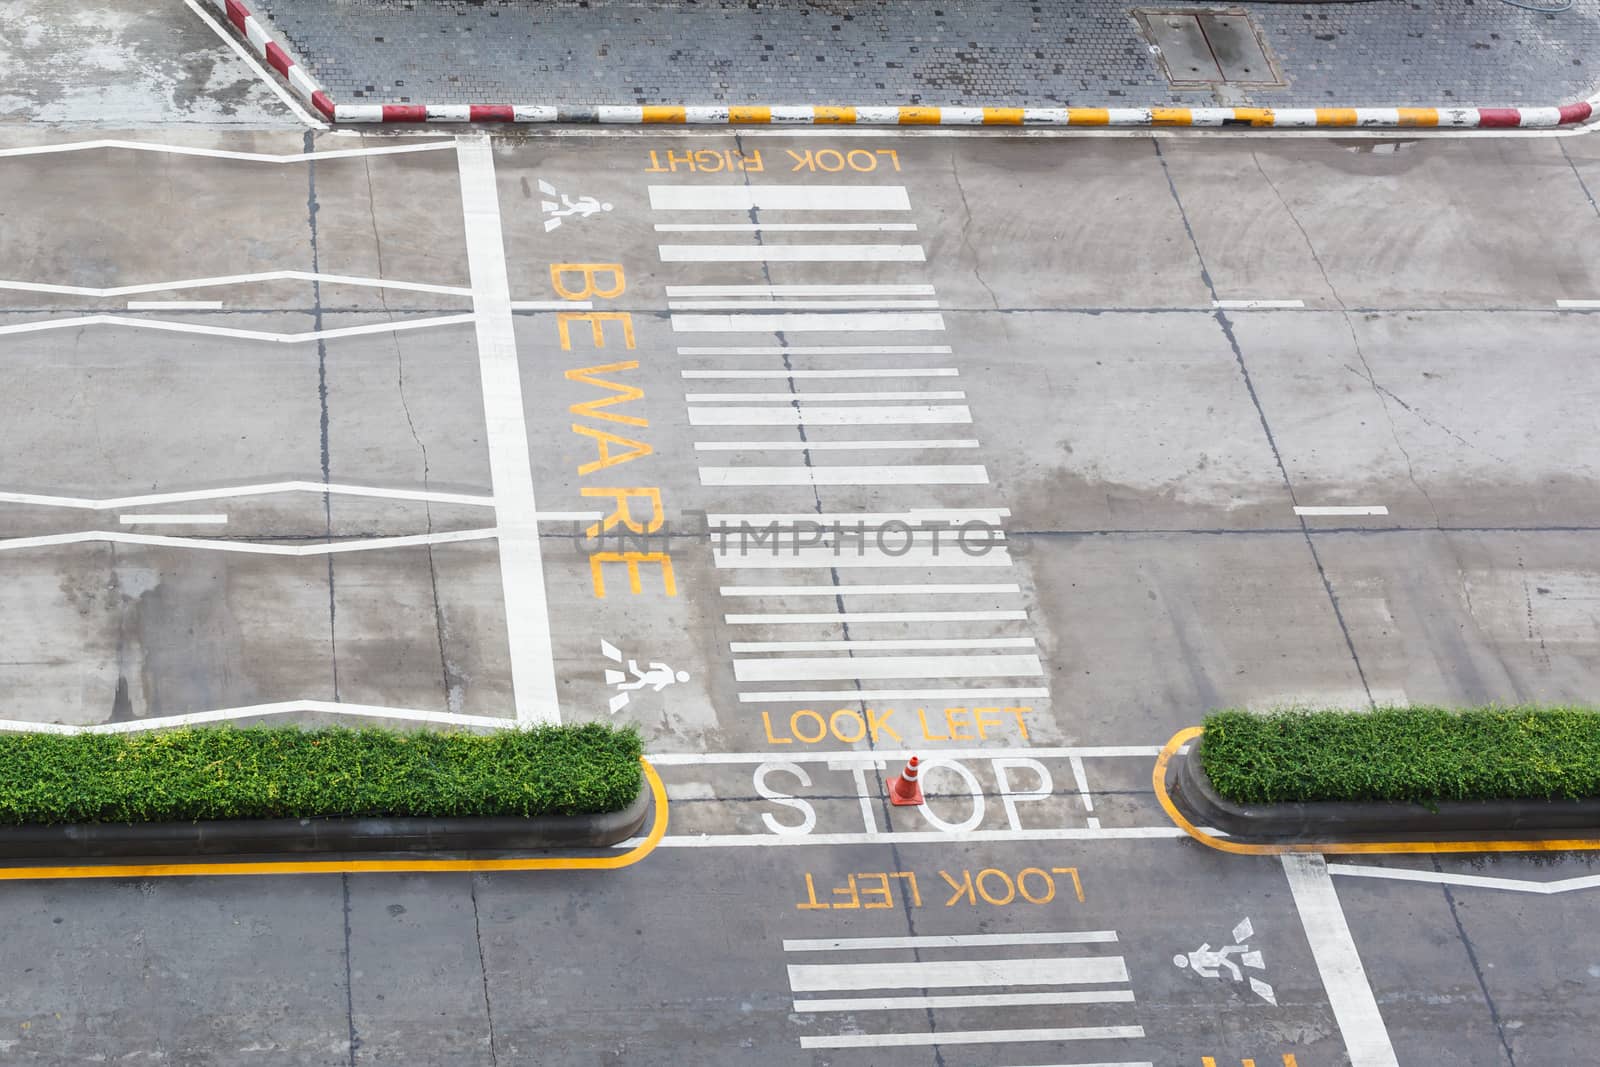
1202, 48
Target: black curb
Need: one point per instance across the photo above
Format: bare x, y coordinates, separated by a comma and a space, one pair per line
237, 837
1192, 791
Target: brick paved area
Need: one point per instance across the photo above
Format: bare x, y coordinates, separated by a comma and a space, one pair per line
971, 52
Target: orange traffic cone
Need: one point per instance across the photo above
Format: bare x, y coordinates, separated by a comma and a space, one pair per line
906, 791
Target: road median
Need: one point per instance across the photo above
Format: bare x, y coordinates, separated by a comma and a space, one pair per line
284, 790
1417, 772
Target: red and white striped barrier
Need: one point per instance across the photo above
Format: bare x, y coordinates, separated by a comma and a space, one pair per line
822, 115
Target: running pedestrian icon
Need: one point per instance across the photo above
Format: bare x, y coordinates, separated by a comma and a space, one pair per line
1208, 962
656, 677
568, 208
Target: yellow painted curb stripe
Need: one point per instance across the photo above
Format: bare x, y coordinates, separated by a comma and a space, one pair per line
833, 116
1002, 116
1088, 116
753, 115
1336, 116
663, 113
1418, 116
1158, 778
919, 116
658, 830
1255, 116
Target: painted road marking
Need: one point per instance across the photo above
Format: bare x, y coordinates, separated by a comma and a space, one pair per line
1476, 881
808, 397
913, 837
173, 520
801, 322
808, 520
874, 415
696, 759
780, 227
1249, 305
865, 556
884, 645
975, 1037
892, 445
285, 707
800, 290
981, 1000
533, 676
874, 616
1358, 509
118, 537
231, 491
240, 279
942, 974
815, 350
174, 305
1366, 1039
779, 198
1064, 937
841, 667
792, 254
866, 590
552, 305
797, 305
901, 474
217, 153
1578, 305
854, 372
169, 326
810, 696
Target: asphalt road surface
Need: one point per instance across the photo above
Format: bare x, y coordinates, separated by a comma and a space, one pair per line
806, 453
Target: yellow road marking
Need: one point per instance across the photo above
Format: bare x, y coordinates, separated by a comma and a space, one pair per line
526, 863
1158, 778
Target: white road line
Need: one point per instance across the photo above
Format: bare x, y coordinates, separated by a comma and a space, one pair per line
720, 197
789, 415
729, 396
229, 492
1578, 305
254, 64
696, 759
170, 519
802, 322
799, 290
843, 646
808, 520
869, 590
1370, 509
800, 375
916, 558
902, 474
791, 253
873, 944
973, 1037
824, 618
236, 279
374, 544
895, 445
837, 668
1475, 881
552, 305
174, 305
814, 350
168, 326
284, 707
1366, 1039
980, 1000
808, 696
910, 837
1249, 305
942, 974
797, 305
533, 677
216, 153
779, 227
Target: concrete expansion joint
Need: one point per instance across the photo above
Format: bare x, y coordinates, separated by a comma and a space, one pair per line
1418, 118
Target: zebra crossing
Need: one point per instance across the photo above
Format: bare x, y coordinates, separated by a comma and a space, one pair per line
1015, 994
878, 530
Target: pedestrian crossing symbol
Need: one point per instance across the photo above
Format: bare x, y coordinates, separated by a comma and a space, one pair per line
656, 677
1208, 962
567, 207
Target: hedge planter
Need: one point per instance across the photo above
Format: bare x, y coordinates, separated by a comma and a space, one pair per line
1327, 820
277, 790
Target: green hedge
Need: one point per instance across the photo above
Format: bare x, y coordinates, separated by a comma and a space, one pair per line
287, 772
1403, 754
